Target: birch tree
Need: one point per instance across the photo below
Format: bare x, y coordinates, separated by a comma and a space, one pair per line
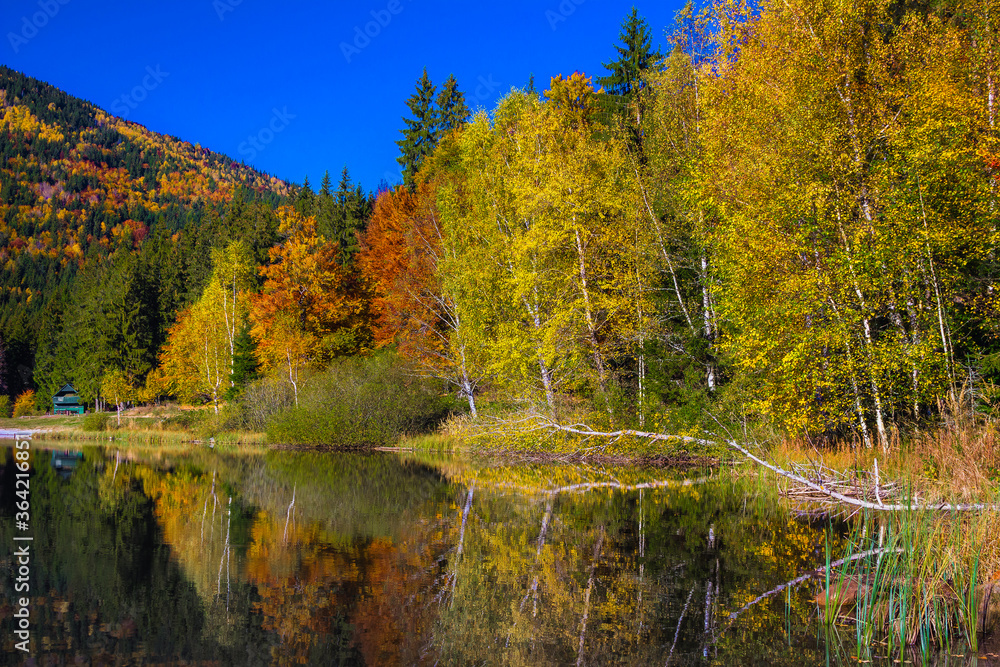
841, 152
401, 251
545, 267
198, 357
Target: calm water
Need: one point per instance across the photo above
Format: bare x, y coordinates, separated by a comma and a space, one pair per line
380, 559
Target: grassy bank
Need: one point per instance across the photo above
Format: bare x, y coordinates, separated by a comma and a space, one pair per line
170, 426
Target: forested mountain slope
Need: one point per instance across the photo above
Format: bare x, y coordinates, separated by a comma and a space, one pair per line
105, 227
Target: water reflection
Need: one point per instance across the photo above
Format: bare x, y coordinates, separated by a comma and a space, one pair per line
318, 558
65, 462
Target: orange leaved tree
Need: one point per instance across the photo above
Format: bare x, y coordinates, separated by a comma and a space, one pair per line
309, 310
399, 258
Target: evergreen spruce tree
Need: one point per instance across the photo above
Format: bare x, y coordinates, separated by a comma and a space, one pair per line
3, 367
305, 200
451, 106
421, 131
634, 57
326, 208
325, 184
348, 216
246, 366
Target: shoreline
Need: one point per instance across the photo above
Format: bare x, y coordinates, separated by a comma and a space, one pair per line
12, 433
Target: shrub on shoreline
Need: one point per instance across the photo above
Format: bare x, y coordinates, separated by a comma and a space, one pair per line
96, 422
24, 406
360, 402
260, 401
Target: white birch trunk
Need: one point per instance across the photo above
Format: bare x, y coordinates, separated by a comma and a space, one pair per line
589, 317
708, 329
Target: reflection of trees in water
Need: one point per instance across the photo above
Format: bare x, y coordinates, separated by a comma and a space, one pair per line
309, 557
625, 578
104, 583
316, 591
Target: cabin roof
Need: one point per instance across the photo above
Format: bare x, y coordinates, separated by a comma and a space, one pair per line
67, 388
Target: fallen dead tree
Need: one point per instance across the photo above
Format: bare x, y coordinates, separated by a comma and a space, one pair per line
823, 489
863, 485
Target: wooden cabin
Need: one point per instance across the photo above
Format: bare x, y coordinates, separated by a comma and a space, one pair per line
67, 401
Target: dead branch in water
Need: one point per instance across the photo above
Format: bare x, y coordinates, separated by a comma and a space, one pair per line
826, 490
859, 484
812, 574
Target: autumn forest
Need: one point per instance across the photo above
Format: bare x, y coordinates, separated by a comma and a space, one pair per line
790, 213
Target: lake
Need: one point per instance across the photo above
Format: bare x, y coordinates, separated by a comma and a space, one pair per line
299, 557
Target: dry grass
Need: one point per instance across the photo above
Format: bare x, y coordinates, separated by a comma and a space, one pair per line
960, 461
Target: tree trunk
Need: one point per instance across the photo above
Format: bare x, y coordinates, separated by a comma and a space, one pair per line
708, 330
589, 317
291, 377
470, 395
546, 373
466, 383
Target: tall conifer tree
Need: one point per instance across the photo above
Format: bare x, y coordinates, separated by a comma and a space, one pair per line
421, 131
348, 216
305, 200
635, 55
451, 103
326, 184
326, 208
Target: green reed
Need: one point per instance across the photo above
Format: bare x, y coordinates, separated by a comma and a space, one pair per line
908, 579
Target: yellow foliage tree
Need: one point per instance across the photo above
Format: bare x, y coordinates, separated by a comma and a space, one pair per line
197, 359
25, 403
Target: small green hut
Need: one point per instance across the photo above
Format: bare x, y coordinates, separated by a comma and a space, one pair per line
67, 401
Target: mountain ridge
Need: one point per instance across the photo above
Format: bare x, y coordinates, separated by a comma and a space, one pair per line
81, 188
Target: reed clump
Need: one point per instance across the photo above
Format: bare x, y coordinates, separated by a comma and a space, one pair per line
916, 578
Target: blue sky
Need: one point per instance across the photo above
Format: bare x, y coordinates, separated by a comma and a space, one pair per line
293, 88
